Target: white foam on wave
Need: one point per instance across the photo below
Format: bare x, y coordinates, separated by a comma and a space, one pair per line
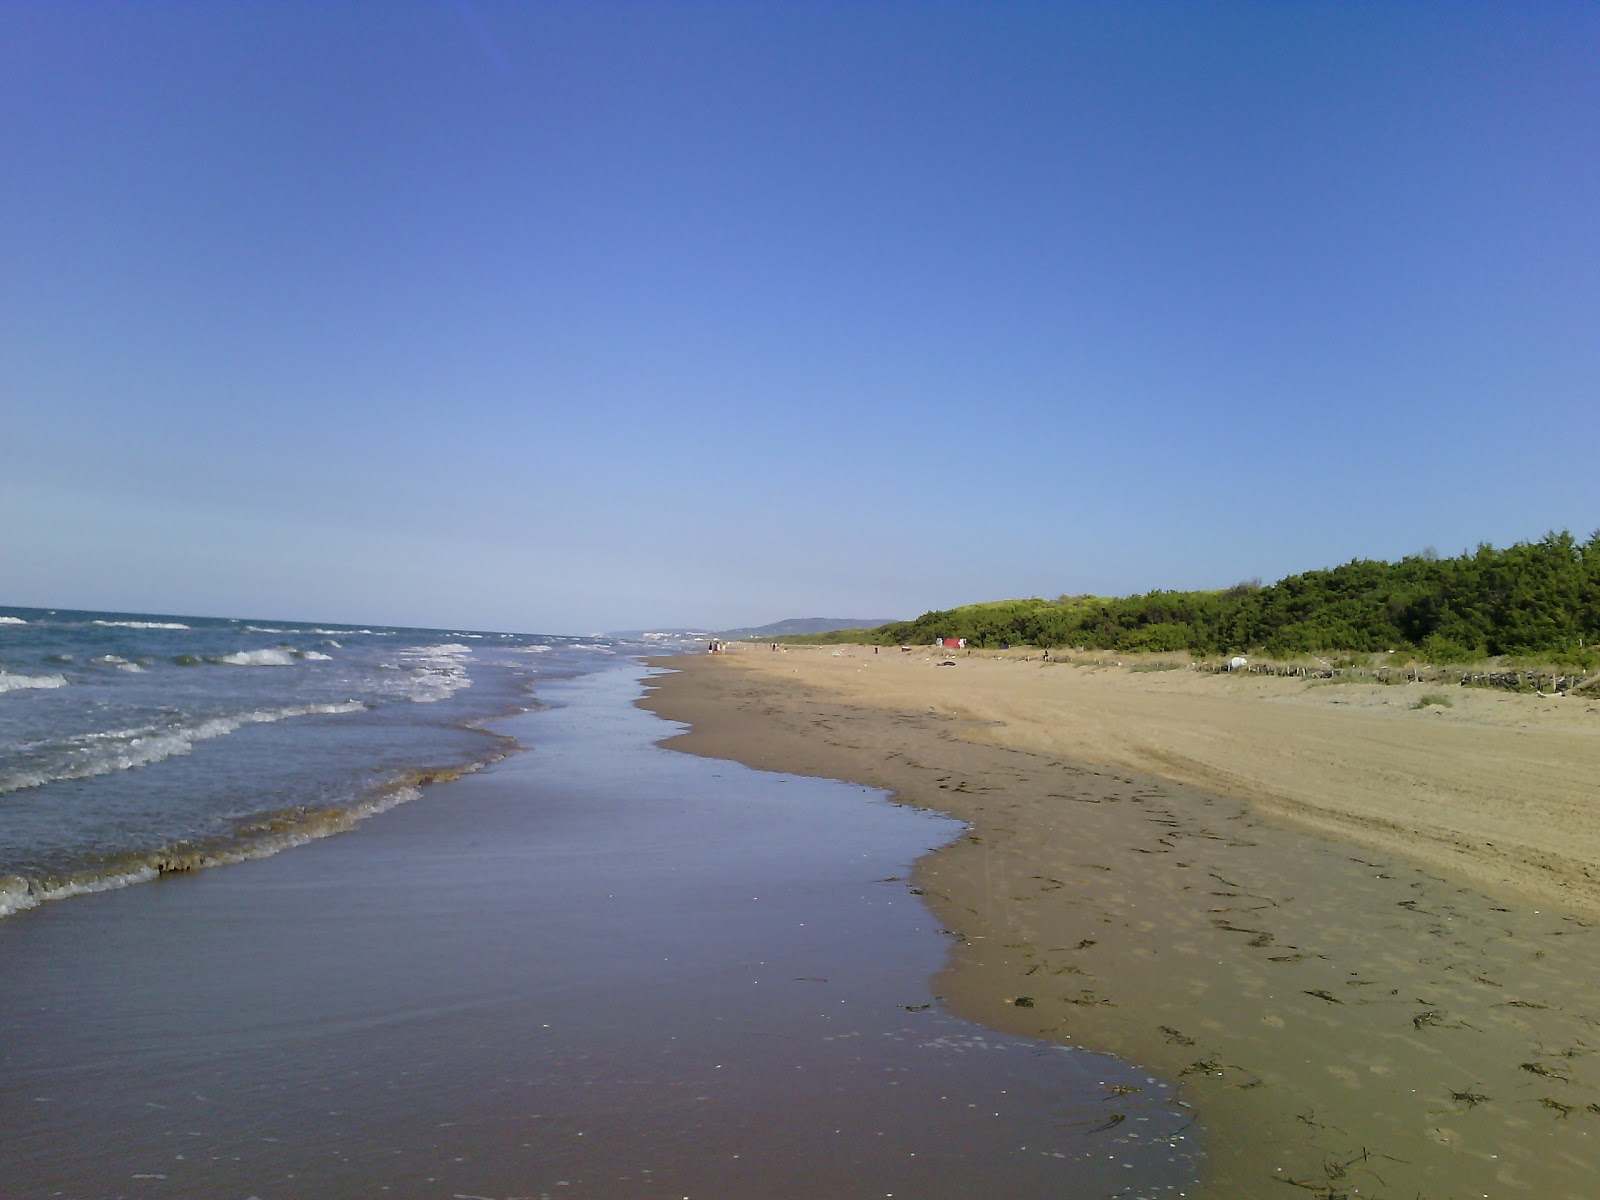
433, 673
117, 661
278, 656
142, 624
18, 683
258, 658
12, 621
17, 893
328, 822
85, 755
321, 632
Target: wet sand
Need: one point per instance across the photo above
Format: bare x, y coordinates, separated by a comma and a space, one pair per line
1357, 934
596, 969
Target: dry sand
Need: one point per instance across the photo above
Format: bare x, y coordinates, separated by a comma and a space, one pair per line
1359, 934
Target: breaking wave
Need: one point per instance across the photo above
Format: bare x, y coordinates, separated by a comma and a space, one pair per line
433, 673
117, 661
259, 839
77, 811
12, 621
280, 656
258, 658
17, 683
85, 755
256, 837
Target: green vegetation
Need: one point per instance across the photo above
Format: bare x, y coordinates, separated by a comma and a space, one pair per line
1532, 599
1438, 698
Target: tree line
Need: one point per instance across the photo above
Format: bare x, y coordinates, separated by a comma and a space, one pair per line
1533, 598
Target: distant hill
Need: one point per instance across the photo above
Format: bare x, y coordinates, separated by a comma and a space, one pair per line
799, 625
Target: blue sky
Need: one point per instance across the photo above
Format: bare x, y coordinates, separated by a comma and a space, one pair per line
567, 317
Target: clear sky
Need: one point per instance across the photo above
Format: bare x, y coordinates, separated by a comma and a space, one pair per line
578, 316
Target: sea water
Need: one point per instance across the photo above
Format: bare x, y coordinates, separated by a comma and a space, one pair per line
133, 745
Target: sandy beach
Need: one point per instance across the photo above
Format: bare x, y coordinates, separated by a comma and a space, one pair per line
1357, 932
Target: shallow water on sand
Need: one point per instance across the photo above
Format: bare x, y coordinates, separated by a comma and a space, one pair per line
599, 969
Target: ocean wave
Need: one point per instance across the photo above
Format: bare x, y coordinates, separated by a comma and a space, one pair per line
278, 656
142, 624
120, 663
258, 658
451, 650
85, 755
18, 893
17, 683
12, 621
433, 673
261, 839
320, 632
258, 836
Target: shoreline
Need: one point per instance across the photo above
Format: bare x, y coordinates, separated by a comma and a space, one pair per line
253, 837
600, 968
1344, 1017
